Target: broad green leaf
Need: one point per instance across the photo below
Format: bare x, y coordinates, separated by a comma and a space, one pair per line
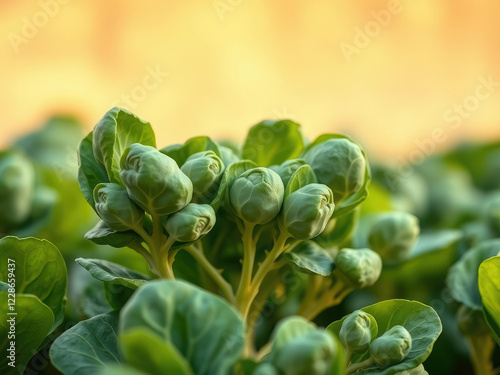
272, 142
33, 323
302, 177
180, 153
120, 370
119, 282
463, 275
231, 173
114, 132
102, 234
246, 366
432, 256
489, 287
202, 327
88, 346
148, 352
91, 301
421, 321
110, 272
356, 199
40, 270
311, 258
90, 173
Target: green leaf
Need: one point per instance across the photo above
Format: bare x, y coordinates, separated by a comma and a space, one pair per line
114, 132
356, 199
180, 153
489, 287
102, 234
202, 327
231, 173
90, 173
463, 275
88, 346
247, 366
311, 258
339, 230
33, 323
302, 177
39, 270
110, 272
120, 370
272, 142
421, 321
161, 356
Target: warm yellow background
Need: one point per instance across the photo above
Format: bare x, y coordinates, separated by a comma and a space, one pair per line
262, 59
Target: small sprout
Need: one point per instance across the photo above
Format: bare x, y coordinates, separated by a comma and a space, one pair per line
306, 211
257, 195
115, 208
340, 164
265, 368
17, 182
154, 181
191, 223
392, 347
355, 332
394, 235
287, 169
310, 354
360, 268
205, 170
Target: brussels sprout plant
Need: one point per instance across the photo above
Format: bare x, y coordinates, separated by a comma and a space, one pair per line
265, 258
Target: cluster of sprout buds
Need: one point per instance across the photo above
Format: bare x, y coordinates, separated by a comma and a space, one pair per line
358, 335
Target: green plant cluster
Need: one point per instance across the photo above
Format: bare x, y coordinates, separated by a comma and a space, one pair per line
268, 258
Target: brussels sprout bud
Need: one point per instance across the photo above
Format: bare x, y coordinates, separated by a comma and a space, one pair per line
360, 267
306, 211
310, 354
340, 164
257, 195
287, 169
392, 347
154, 181
205, 170
265, 369
17, 181
192, 222
115, 208
355, 332
394, 235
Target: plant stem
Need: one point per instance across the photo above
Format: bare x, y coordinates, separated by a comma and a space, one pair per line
248, 263
313, 288
137, 246
330, 297
225, 287
481, 348
247, 297
360, 365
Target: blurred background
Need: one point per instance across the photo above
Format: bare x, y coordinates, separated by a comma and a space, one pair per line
390, 73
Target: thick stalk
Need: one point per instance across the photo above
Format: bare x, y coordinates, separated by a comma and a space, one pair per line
481, 349
215, 274
248, 263
245, 301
